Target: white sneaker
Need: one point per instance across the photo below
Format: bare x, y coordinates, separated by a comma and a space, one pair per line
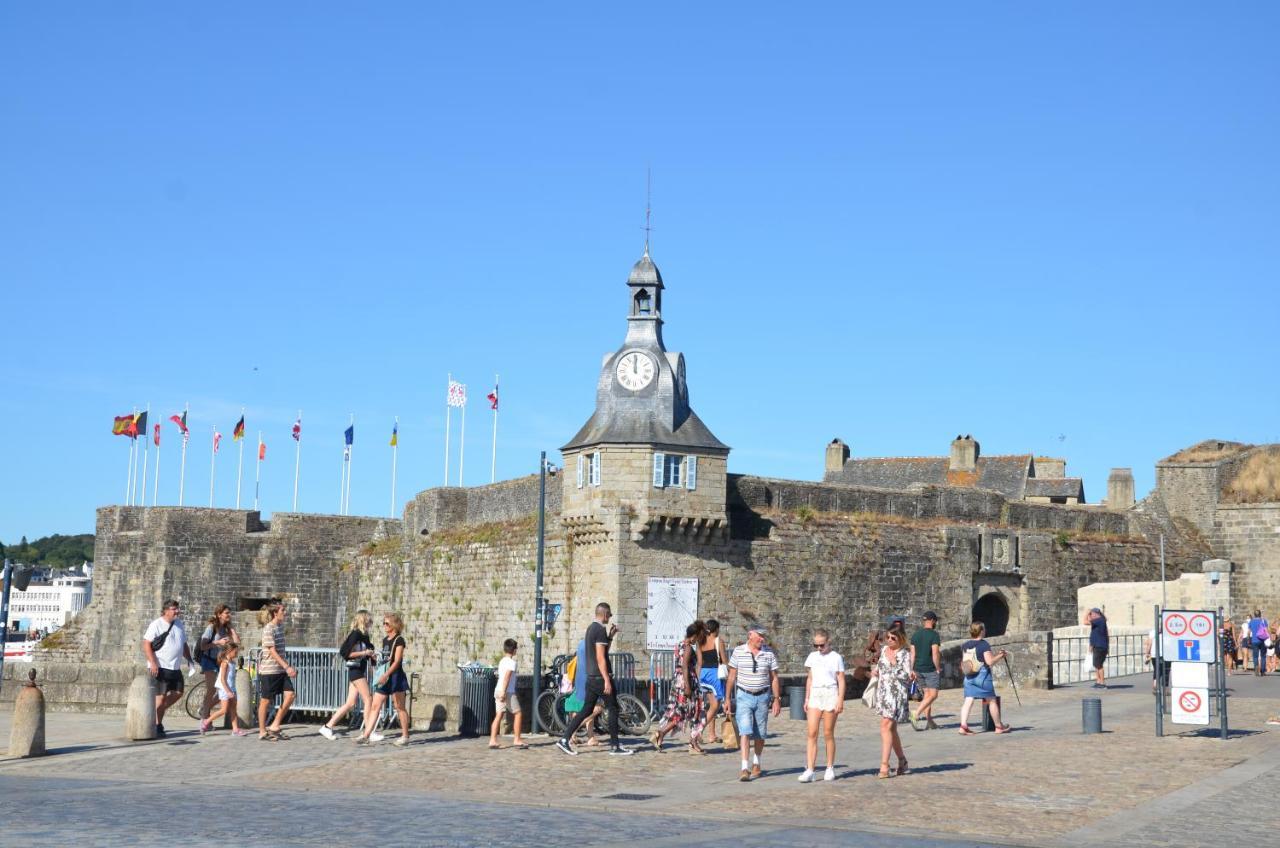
376, 737
401, 741
829, 774
327, 732
806, 776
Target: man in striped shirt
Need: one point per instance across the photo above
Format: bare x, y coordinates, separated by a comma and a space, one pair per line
752, 688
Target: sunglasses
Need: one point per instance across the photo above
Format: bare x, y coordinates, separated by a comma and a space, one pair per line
820, 645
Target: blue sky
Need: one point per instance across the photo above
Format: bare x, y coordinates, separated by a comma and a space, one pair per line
1053, 226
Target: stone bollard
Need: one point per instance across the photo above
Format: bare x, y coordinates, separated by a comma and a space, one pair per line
140, 713
244, 701
27, 736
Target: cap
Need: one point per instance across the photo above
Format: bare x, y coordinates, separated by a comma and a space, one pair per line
896, 619
930, 615
1095, 609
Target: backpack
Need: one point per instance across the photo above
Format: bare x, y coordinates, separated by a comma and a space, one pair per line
970, 662
570, 674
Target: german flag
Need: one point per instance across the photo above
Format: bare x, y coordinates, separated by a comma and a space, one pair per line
122, 425
238, 433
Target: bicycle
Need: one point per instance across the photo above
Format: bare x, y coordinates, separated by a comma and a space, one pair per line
634, 718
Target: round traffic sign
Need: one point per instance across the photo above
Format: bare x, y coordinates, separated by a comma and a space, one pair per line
1174, 624
1189, 701
1200, 625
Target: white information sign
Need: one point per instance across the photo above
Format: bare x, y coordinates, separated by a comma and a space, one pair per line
673, 606
1190, 706
1188, 636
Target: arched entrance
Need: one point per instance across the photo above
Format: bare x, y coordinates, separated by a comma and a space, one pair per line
992, 611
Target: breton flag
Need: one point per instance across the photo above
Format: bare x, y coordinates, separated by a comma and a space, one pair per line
395, 434
181, 421
493, 398
157, 437
217, 440
238, 433
297, 429
262, 450
349, 435
457, 393
120, 426
139, 426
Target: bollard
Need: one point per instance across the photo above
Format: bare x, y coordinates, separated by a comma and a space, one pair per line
27, 736
795, 697
140, 713
244, 699
1091, 715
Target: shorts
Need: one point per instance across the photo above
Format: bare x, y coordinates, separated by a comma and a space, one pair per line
509, 704
356, 672
751, 713
823, 698
709, 681
225, 694
1099, 657
930, 679
169, 680
397, 682
271, 685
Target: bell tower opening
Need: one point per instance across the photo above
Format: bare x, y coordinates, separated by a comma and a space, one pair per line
643, 304
993, 611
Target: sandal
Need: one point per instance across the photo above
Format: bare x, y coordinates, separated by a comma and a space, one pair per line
965, 731
521, 746
884, 774
1004, 728
694, 750
495, 747
656, 741
902, 768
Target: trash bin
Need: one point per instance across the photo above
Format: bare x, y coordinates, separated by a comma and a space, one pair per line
795, 697
475, 698
1091, 715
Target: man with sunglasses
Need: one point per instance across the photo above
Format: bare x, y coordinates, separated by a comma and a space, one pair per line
599, 683
751, 693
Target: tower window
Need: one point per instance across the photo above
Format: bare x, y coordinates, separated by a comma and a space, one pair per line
642, 302
668, 470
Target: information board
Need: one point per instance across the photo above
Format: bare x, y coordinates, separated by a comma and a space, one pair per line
673, 606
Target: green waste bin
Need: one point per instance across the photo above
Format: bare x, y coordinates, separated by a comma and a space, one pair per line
475, 698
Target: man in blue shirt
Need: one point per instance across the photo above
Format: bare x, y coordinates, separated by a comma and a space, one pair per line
1099, 644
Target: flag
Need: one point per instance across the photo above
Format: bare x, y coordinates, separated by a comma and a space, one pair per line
297, 430
457, 394
238, 433
395, 434
262, 450
139, 426
181, 421
121, 425
157, 435
349, 435
493, 398
217, 439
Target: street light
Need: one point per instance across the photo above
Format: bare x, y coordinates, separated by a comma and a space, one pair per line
14, 575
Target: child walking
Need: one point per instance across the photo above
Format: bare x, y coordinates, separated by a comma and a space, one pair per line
225, 687
505, 698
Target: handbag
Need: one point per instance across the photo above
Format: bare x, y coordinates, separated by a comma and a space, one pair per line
729, 734
722, 670
869, 693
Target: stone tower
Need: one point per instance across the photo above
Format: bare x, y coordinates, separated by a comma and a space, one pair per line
644, 459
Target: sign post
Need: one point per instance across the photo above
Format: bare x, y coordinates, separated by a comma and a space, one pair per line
1189, 639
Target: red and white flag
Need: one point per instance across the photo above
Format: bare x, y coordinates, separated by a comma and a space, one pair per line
262, 451
457, 393
493, 398
217, 440
297, 430
157, 436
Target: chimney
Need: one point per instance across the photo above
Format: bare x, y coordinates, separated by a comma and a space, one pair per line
964, 454
1120, 488
837, 454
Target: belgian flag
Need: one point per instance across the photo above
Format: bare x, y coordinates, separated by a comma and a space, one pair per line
238, 433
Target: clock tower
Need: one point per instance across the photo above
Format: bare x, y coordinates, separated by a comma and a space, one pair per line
644, 455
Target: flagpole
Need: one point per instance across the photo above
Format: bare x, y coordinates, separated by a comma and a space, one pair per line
297, 461
133, 457
128, 480
240, 464
493, 462
155, 491
448, 409
462, 440
182, 475
146, 454
257, 473
213, 465
350, 450
394, 449
342, 485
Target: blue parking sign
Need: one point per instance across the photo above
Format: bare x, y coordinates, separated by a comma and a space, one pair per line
1189, 650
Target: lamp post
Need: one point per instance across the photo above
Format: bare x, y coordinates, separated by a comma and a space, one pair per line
538, 605
21, 575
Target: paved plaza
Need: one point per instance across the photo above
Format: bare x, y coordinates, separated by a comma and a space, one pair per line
1045, 784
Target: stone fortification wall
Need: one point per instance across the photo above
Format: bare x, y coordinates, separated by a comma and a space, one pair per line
509, 500
1249, 535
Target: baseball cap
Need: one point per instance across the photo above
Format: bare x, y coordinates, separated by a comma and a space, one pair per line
896, 619
930, 615
1095, 609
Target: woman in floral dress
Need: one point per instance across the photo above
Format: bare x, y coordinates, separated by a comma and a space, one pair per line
685, 706
893, 671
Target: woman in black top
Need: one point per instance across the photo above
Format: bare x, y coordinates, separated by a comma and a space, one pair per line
391, 682
356, 650
711, 682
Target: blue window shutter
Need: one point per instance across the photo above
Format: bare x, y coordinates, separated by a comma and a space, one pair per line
659, 469
580, 459
595, 468
691, 473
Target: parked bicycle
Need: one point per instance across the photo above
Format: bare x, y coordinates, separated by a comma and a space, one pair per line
634, 718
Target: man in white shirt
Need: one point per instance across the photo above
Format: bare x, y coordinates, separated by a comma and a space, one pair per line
165, 647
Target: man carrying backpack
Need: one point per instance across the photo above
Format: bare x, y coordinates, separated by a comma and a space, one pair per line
165, 646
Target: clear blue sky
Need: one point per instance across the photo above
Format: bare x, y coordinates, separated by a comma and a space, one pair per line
1054, 226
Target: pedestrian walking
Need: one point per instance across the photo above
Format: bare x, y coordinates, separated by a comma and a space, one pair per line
977, 658
600, 683
751, 693
217, 634
356, 650
715, 670
823, 703
275, 675
504, 697
1099, 645
164, 644
1228, 636
224, 688
892, 702
1260, 631
391, 682
684, 705
575, 699
926, 662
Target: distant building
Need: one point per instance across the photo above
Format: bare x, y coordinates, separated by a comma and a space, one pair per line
52, 599
1024, 477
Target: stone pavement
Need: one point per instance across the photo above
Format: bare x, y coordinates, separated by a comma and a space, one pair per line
1045, 784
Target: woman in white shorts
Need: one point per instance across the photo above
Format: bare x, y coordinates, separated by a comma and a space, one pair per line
823, 701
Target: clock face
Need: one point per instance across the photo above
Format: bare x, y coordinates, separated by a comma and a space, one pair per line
635, 370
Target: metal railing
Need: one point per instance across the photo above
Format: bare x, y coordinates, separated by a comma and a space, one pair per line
1073, 658
321, 683
662, 668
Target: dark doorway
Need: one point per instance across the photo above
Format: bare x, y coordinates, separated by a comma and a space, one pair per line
992, 611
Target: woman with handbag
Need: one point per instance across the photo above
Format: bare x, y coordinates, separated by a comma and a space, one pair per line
977, 660
355, 650
715, 668
685, 704
892, 674
216, 636
390, 681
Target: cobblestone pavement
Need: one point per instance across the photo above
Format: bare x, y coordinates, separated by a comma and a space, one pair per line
1046, 783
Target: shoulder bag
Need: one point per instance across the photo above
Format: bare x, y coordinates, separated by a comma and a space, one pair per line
158, 642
